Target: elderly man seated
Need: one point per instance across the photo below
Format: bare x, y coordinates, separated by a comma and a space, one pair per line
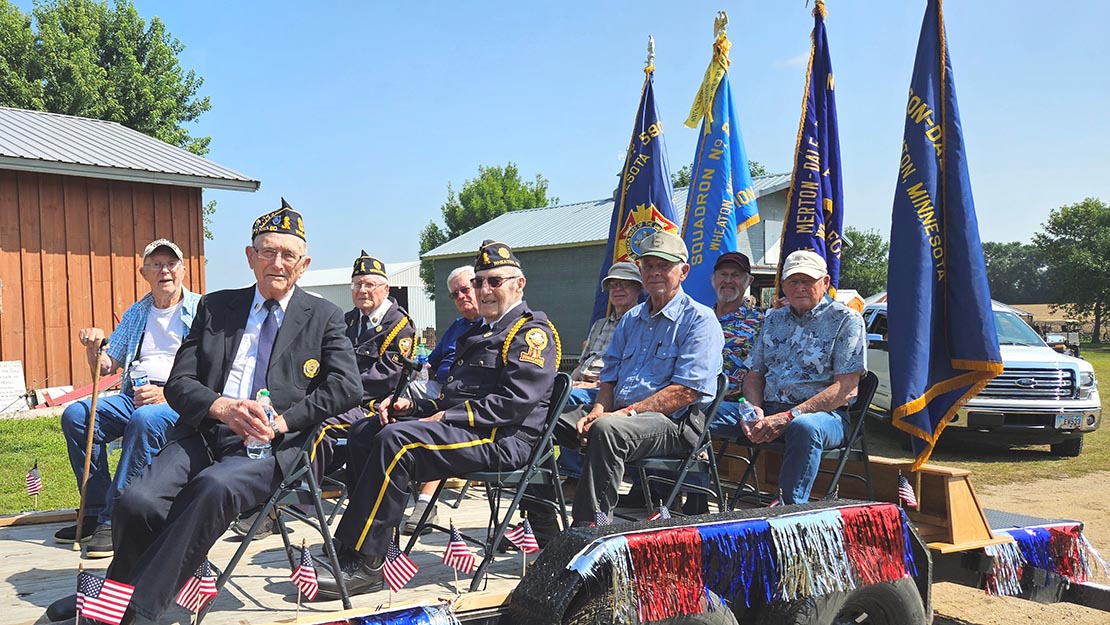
623, 285
804, 368
660, 373
488, 416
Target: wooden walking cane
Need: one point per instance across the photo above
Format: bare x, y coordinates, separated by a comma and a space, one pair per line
91, 430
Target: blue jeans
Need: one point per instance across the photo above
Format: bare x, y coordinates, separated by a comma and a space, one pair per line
143, 431
570, 461
805, 438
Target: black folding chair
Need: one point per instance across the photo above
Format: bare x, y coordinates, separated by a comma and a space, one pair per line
701, 459
541, 468
298, 488
854, 447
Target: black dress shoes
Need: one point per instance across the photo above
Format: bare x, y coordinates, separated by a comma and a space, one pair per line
360, 573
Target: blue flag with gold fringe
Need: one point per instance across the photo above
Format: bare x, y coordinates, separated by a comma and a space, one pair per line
644, 202
721, 201
943, 344
815, 200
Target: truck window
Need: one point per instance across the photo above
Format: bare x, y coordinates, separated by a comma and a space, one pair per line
878, 324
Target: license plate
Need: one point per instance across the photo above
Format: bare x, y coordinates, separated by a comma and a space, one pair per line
1068, 421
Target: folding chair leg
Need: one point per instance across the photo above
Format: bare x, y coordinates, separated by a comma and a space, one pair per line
247, 540
329, 544
752, 473
424, 518
459, 499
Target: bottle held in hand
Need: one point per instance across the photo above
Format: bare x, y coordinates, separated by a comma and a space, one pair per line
422, 358
748, 416
257, 448
138, 375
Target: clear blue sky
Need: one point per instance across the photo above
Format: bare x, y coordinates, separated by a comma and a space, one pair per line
360, 113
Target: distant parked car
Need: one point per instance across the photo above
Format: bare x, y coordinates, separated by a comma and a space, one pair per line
1041, 398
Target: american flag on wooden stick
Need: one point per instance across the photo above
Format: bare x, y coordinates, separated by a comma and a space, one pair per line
34, 481
458, 555
304, 576
905, 493
600, 519
198, 590
398, 568
523, 538
102, 599
662, 512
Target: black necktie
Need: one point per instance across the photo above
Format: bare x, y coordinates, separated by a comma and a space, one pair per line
265, 346
363, 328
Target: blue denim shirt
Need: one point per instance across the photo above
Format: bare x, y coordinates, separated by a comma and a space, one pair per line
799, 356
124, 342
681, 344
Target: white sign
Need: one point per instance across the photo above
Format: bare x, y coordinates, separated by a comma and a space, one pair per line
12, 386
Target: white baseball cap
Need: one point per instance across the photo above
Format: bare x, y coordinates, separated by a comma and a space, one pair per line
804, 261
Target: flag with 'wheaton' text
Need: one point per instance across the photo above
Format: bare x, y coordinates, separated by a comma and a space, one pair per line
643, 204
721, 201
942, 339
815, 200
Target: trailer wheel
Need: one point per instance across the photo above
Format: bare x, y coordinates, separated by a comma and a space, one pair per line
889, 603
597, 609
1069, 448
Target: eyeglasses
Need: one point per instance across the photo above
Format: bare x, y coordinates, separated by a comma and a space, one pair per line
464, 291
369, 286
159, 267
494, 281
269, 255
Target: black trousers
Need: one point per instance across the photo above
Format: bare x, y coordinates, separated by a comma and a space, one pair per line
384, 461
328, 455
167, 519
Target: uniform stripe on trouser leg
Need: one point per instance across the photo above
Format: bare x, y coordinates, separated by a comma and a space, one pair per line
397, 458
323, 431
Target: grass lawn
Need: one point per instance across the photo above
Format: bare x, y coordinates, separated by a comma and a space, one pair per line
24, 441
997, 466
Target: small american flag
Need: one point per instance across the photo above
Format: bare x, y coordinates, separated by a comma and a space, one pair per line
398, 568
34, 481
458, 555
905, 493
662, 512
523, 537
102, 599
198, 590
304, 576
600, 519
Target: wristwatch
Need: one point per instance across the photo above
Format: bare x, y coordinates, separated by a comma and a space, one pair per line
632, 412
790, 415
273, 428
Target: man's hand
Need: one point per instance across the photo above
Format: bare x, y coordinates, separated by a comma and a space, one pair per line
436, 417
148, 395
586, 422
91, 338
584, 384
768, 428
245, 417
389, 410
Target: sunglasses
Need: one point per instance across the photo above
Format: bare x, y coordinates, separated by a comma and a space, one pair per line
494, 281
461, 292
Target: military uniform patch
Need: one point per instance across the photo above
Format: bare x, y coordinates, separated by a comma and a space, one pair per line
536, 340
311, 367
405, 345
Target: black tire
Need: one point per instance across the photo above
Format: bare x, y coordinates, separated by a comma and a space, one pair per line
1070, 448
597, 609
889, 603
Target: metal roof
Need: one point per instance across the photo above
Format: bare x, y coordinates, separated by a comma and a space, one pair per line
405, 273
566, 225
79, 146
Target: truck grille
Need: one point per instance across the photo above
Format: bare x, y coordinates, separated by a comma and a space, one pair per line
1043, 384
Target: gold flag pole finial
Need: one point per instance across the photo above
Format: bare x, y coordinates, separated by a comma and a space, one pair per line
649, 65
720, 24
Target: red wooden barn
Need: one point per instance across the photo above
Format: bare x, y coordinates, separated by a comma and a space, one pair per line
79, 199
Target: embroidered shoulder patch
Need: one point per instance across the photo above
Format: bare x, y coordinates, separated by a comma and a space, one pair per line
405, 345
536, 340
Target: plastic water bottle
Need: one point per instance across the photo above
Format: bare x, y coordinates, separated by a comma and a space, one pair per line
138, 375
747, 412
257, 448
422, 358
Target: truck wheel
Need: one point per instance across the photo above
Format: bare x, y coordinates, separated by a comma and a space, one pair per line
889, 603
1069, 448
598, 610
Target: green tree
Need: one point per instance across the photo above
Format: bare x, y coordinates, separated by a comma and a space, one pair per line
1017, 274
86, 58
681, 178
496, 191
863, 264
1075, 245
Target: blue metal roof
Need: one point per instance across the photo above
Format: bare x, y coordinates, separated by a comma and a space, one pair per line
567, 225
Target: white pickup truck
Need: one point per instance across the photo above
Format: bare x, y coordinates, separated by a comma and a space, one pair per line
1041, 398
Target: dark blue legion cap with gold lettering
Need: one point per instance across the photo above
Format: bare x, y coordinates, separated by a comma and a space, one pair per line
367, 265
493, 255
284, 220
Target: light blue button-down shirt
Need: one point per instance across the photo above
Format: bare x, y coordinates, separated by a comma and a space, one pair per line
680, 344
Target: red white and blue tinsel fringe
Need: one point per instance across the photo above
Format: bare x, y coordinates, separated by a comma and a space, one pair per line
440, 614
1061, 549
661, 573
